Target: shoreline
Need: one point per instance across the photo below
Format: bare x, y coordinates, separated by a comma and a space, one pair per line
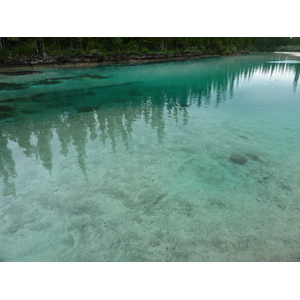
123, 58
289, 53
93, 61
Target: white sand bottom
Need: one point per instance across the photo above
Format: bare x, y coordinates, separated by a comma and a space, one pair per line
289, 53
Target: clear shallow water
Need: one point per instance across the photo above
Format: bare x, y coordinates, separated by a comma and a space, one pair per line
132, 162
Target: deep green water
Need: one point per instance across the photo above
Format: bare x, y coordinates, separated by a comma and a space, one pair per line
135, 162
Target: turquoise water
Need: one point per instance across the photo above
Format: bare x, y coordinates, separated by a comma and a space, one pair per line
174, 161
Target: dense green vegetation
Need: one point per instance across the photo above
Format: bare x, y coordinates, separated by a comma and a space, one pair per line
17, 47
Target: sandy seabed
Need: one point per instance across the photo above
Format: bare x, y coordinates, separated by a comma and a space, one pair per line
146, 199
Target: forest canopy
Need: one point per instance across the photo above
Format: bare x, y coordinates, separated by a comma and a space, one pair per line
14, 47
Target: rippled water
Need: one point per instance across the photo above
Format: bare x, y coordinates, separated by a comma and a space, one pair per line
176, 161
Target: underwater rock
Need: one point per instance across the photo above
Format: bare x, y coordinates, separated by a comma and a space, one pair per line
238, 159
84, 109
7, 112
8, 100
116, 85
254, 156
19, 73
243, 137
78, 77
4, 116
63, 78
262, 180
50, 81
5, 108
89, 94
46, 81
92, 76
30, 112
12, 86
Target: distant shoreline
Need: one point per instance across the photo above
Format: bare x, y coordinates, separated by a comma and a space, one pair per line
126, 58
91, 61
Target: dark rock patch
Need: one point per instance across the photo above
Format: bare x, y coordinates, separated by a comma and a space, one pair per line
54, 105
262, 180
254, 156
238, 159
84, 109
20, 73
89, 94
8, 100
5, 108
116, 85
4, 116
243, 137
12, 86
92, 76
30, 112
6, 112
46, 81
50, 81
40, 97
78, 77
134, 92
63, 78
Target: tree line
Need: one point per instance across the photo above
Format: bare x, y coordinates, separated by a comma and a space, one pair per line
30, 46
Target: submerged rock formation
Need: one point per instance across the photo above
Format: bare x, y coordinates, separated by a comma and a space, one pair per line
238, 159
253, 156
20, 73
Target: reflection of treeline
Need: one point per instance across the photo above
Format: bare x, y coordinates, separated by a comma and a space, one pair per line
7, 167
112, 127
101, 46
109, 115
220, 78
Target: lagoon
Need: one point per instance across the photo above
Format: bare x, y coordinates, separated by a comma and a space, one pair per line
192, 160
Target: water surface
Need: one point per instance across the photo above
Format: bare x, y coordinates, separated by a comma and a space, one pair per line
137, 162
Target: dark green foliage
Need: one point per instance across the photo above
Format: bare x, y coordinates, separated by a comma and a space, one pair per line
273, 43
293, 48
14, 48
